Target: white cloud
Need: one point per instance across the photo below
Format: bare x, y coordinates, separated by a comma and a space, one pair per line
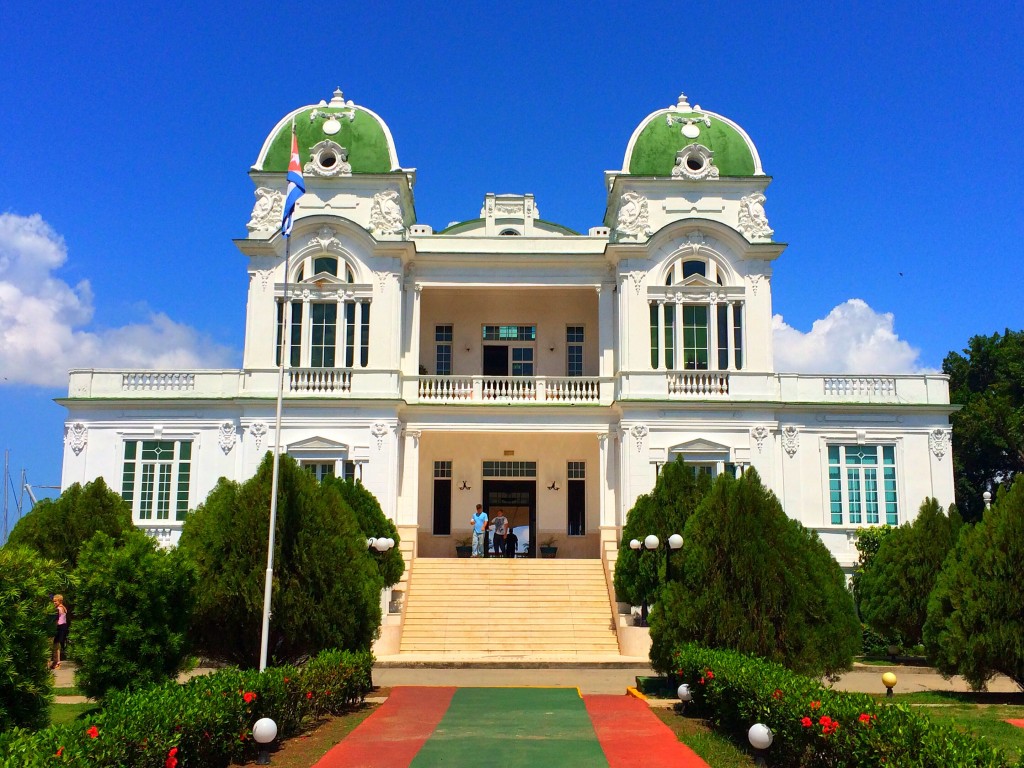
43, 319
852, 338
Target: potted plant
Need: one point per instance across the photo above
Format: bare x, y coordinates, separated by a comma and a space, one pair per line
464, 547
548, 548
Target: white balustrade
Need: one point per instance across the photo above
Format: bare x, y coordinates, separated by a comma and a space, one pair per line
157, 381
859, 386
698, 384
445, 389
509, 389
320, 380
572, 389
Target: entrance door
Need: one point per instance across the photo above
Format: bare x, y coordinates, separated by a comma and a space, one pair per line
495, 360
518, 500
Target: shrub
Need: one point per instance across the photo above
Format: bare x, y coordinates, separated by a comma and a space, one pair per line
374, 524
664, 511
27, 582
894, 588
975, 620
135, 602
58, 528
205, 723
867, 542
755, 581
816, 726
326, 589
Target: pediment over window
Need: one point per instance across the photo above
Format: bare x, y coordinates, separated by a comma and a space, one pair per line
700, 446
323, 280
697, 281
318, 445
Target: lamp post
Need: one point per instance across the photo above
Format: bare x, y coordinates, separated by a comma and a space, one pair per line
760, 737
685, 697
652, 543
264, 731
889, 681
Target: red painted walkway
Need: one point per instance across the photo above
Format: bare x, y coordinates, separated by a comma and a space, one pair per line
632, 735
394, 733
628, 732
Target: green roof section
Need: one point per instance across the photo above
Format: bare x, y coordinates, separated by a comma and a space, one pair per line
363, 136
654, 153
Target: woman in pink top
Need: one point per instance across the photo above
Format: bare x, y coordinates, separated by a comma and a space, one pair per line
60, 639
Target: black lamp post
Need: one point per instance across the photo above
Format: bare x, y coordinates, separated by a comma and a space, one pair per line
652, 543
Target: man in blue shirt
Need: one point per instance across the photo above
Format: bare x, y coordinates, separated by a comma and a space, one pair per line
479, 523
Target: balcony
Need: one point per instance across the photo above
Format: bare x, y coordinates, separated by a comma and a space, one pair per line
526, 390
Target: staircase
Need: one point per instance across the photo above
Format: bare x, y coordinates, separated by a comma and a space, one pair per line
508, 608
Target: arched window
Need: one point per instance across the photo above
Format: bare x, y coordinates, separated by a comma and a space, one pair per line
695, 326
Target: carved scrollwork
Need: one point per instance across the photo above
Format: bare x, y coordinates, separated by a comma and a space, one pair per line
633, 216
386, 214
938, 442
637, 276
639, 432
328, 159
77, 437
760, 434
790, 440
695, 163
227, 436
325, 239
258, 430
379, 431
753, 222
266, 213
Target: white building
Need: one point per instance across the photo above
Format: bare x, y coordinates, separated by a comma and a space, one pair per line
512, 361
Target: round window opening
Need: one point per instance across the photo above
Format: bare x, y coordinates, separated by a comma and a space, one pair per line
695, 163
327, 159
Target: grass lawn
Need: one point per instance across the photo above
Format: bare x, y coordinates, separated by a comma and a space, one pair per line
714, 749
982, 714
62, 714
72, 691
306, 749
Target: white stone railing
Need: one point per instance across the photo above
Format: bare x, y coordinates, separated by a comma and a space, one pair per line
158, 381
327, 381
698, 384
512, 389
859, 386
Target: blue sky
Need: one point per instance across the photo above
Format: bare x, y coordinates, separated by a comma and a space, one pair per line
891, 130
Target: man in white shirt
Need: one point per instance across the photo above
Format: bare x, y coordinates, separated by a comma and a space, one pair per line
499, 528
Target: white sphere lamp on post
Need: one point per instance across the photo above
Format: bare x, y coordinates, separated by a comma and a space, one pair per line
760, 737
264, 731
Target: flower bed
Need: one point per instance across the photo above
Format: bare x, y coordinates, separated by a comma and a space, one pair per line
815, 725
205, 722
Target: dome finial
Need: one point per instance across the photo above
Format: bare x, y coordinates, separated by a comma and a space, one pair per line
338, 99
683, 105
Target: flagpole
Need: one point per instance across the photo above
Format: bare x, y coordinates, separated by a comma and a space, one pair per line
268, 585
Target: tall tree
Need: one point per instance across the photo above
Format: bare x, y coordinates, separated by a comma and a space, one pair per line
326, 589
57, 528
755, 581
975, 625
988, 432
374, 524
895, 585
663, 511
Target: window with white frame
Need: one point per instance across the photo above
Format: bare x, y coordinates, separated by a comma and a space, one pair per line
156, 477
574, 350
862, 484
443, 350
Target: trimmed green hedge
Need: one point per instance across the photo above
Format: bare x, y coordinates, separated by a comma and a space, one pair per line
814, 725
206, 722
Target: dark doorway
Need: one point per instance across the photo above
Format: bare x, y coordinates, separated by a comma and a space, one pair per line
495, 360
518, 500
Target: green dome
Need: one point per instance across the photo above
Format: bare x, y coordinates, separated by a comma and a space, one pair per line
654, 144
366, 137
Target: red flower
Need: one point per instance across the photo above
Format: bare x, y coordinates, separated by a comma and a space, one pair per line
806, 722
701, 681
777, 694
172, 758
866, 718
93, 733
249, 697
709, 675
287, 679
328, 693
242, 736
309, 694
815, 705
828, 725
60, 751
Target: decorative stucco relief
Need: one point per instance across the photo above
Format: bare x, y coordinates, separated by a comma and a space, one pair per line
258, 430
386, 214
382, 279
266, 214
325, 239
755, 281
760, 434
790, 440
695, 163
77, 437
753, 222
639, 432
379, 431
938, 442
633, 217
328, 159
637, 276
227, 436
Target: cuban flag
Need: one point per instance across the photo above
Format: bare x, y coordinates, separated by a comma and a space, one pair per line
296, 187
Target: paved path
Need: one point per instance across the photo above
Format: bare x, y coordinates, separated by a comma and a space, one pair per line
424, 727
